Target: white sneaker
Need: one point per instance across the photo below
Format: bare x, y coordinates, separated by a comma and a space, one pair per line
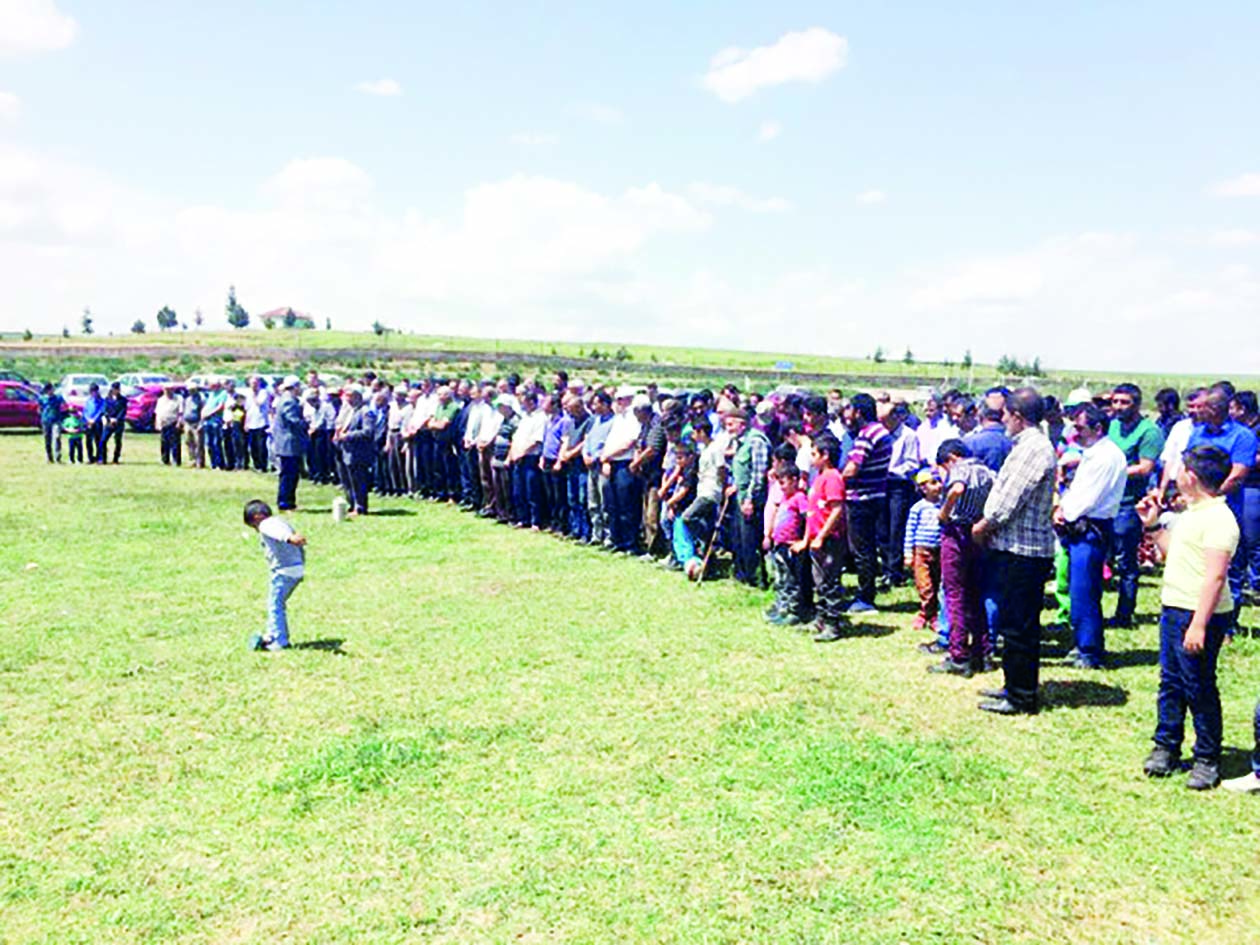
1247, 784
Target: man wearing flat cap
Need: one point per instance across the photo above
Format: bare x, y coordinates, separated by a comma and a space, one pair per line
289, 439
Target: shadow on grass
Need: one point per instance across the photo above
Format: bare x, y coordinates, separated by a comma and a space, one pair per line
377, 513
867, 630
901, 607
1079, 693
1235, 761
332, 645
1133, 658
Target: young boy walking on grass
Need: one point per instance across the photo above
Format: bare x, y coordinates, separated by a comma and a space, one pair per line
824, 529
285, 550
1196, 616
922, 548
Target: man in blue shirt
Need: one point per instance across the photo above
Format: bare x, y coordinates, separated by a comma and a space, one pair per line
52, 410
94, 419
596, 437
989, 442
1215, 428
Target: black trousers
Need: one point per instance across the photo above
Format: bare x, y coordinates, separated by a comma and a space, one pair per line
258, 448
286, 491
1021, 584
170, 445
114, 433
863, 532
358, 478
749, 530
901, 495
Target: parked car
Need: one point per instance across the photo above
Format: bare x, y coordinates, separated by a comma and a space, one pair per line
18, 378
204, 380
73, 389
142, 392
19, 406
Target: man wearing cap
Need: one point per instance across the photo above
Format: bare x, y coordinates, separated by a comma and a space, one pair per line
749, 465
623, 487
289, 438
1141, 442
355, 437
646, 464
115, 419
212, 423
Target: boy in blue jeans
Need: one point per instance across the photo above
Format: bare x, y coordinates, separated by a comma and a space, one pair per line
285, 550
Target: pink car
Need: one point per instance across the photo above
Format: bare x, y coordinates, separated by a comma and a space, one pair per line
73, 389
19, 406
142, 392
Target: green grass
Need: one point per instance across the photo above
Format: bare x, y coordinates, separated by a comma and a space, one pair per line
505, 738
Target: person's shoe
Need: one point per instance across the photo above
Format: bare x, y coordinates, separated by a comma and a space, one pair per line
1120, 623
1004, 707
860, 607
952, 668
933, 648
275, 646
1248, 784
1161, 762
1084, 662
772, 610
693, 569
257, 642
999, 694
828, 634
919, 622
791, 620
1204, 776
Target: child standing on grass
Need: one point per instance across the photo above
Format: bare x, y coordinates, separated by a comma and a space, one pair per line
923, 547
285, 550
824, 530
791, 608
1197, 613
73, 427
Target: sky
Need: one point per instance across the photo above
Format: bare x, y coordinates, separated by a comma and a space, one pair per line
1075, 182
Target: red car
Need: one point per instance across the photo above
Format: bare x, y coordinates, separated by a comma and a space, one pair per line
142, 392
19, 406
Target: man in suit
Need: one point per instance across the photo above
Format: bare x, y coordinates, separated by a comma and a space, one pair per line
288, 438
355, 437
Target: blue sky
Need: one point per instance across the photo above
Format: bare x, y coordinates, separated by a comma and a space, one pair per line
1078, 182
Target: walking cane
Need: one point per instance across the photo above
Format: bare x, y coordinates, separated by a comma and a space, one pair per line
717, 524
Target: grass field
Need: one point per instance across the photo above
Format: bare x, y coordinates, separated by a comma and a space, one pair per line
491, 736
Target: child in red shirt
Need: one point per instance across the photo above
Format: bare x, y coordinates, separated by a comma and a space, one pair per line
824, 530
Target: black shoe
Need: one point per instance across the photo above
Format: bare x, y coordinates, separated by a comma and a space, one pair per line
828, 635
1004, 707
951, 667
1204, 776
1161, 762
933, 648
1120, 623
998, 694
986, 665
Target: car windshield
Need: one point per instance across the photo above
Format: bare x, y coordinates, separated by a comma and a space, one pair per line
86, 380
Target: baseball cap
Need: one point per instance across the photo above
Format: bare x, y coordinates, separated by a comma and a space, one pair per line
1077, 397
290, 381
640, 402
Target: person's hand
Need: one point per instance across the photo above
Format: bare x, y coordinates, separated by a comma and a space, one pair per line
816, 544
1148, 511
730, 490
980, 531
799, 546
605, 469
908, 562
943, 517
1057, 516
1195, 637
765, 543
299, 540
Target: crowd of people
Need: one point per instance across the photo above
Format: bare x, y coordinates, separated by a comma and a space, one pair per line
980, 501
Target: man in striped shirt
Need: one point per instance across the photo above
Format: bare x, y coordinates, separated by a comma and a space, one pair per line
866, 484
1017, 528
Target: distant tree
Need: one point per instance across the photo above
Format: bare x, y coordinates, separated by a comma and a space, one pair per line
378, 328
327, 324
879, 356
166, 318
26, 335
65, 331
183, 326
198, 318
269, 323
908, 357
290, 318
966, 360
87, 321
1036, 367
623, 355
237, 317
137, 327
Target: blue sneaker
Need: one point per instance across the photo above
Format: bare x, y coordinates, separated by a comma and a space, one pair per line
861, 607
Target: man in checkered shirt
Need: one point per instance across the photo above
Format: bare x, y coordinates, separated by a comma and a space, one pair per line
1017, 528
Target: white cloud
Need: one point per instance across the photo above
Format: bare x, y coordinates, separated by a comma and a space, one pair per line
1235, 237
869, 198
806, 56
769, 130
34, 26
10, 106
599, 113
326, 183
720, 196
1245, 185
532, 138
382, 87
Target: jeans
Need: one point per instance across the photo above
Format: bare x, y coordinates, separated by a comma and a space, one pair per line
76, 448
94, 435
358, 476
596, 506
212, 432
789, 600
825, 564
1021, 583
277, 616
556, 487
749, 529
52, 440
286, 491
901, 495
695, 524
863, 531
170, 445
527, 498
1126, 536
960, 585
626, 506
576, 485
1188, 681
1086, 554
1249, 546
114, 433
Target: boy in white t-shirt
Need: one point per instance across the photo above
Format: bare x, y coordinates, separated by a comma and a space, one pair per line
285, 551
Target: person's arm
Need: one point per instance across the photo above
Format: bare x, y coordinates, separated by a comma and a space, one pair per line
1014, 484
297, 539
833, 517
1215, 574
1238, 473
912, 533
952, 495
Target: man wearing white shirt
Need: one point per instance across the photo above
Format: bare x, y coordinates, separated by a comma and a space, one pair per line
934, 430
626, 503
420, 439
487, 430
257, 422
1178, 440
1084, 519
524, 457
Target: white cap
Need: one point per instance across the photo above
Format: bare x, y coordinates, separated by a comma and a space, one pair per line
1077, 397
290, 381
641, 402
624, 391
